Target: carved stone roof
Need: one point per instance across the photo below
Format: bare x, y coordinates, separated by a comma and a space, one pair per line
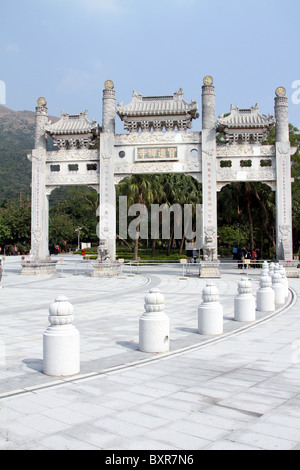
73, 131
247, 124
245, 118
72, 124
156, 112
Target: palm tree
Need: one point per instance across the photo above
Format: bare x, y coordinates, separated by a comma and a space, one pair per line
180, 189
138, 190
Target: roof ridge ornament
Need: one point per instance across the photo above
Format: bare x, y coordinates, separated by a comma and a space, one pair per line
137, 96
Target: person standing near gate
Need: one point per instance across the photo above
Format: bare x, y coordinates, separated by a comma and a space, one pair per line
254, 257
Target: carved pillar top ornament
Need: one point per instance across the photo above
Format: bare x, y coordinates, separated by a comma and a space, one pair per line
109, 107
208, 103
281, 115
41, 120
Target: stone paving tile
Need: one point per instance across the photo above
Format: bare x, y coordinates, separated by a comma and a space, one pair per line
141, 443
207, 419
142, 419
240, 393
42, 423
261, 441
94, 436
231, 413
155, 409
197, 429
280, 431
177, 438
228, 445
114, 426
61, 441
16, 433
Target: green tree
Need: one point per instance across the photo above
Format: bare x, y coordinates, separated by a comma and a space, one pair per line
181, 189
80, 207
61, 229
15, 223
138, 189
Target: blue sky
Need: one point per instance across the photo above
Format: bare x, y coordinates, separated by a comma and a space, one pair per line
66, 49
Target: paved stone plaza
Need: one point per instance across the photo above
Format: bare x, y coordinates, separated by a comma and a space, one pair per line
238, 391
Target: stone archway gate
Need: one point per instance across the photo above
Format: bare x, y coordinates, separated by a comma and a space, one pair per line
159, 141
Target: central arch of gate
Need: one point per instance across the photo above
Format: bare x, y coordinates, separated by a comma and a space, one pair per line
159, 139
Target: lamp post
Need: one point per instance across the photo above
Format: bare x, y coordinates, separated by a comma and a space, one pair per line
78, 229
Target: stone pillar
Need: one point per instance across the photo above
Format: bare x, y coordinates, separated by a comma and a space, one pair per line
107, 212
39, 199
210, 312
154, 325
61, 341
282, 116
284, 241
244, 303
209, 172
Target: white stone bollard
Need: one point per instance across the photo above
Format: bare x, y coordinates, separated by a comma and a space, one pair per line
61, 341
278, 288
154, 325
271, 269
210, 312
265, 297
244, 303
265, 269
284, 281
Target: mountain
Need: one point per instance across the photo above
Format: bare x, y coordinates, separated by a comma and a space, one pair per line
16, 141
4, 111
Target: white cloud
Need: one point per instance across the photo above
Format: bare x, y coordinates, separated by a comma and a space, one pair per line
74, 80
12, 47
